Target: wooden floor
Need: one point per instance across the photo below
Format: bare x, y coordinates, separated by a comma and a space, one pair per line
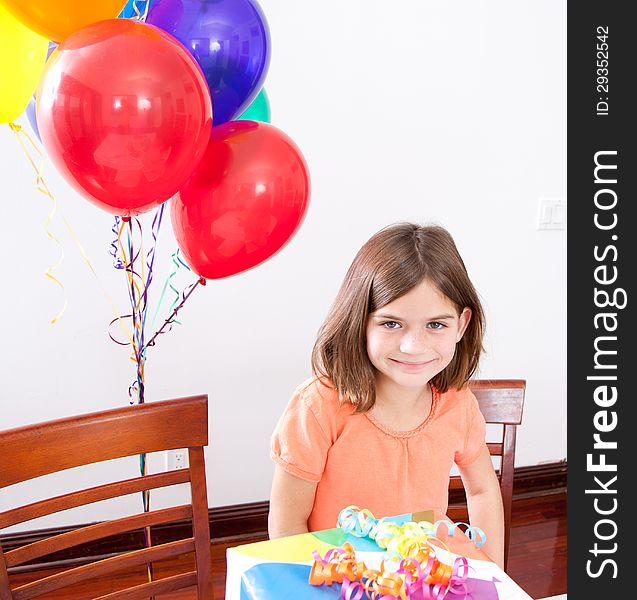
537, 560
537, 551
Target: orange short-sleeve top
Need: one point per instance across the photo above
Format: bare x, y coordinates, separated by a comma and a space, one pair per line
355, 460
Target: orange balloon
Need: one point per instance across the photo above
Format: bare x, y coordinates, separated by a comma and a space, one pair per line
56, 19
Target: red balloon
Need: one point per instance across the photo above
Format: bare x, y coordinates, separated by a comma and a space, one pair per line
244, 201
125, 114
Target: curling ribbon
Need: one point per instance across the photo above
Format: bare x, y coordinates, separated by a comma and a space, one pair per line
177, 263
150, 257
106, 295
136, 299
475, 534
118, 263
338, 564
170, 319
435, 579
413, 544
361, 523
44, 189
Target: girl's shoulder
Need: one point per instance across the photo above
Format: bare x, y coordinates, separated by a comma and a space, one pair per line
317, 384
319, 395
318, 390
457, 399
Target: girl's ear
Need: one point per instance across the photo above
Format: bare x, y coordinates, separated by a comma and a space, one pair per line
463, 322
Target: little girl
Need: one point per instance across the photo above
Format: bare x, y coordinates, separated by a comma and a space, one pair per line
388, 410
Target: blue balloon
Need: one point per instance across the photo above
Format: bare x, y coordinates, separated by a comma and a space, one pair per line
30, 111
230, 39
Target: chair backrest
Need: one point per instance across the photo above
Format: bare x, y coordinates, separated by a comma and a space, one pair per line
53, 446
501, 402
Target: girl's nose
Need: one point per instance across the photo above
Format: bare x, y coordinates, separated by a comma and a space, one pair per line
413, 342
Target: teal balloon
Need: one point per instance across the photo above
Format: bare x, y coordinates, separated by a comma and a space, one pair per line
259, 109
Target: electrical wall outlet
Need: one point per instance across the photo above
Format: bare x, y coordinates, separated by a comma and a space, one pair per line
176, 459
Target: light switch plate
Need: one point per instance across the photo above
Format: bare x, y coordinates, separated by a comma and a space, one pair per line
551, 213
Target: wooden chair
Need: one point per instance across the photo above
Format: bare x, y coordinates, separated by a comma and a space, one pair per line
501, 402
52, 446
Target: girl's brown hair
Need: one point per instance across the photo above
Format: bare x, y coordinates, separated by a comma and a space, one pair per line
392, 262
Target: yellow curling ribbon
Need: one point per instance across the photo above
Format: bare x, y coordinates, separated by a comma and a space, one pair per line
44, 189
106, 295
138, 14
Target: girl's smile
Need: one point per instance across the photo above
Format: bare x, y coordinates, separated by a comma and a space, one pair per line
410, 365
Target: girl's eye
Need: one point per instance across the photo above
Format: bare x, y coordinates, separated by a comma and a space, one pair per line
436, 325
391, 325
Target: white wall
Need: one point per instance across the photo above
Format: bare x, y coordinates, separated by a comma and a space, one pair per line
451, 112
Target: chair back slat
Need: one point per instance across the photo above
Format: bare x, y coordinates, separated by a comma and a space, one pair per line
102, 568
98, 531
38, 450
161, 586
90, 495
495, 448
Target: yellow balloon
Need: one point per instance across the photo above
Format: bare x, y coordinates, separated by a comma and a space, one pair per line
57, 19
22, 58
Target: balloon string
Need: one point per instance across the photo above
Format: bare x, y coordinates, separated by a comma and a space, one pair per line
138, 14
142, 304
136, 300
113, 249
141, 311
138, 287
173, 314
150, 257
127, 265
143, 469
125, 262
177, 264
43, 189
134, 307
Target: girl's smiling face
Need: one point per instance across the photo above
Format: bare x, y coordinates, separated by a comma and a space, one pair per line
413, 338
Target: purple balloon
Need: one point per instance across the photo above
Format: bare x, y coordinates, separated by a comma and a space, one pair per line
230, 40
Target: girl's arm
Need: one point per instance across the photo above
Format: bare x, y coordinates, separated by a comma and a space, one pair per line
484, 501
291, 502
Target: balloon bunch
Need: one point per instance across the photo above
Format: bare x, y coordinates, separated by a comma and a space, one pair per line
151, 101
146, 101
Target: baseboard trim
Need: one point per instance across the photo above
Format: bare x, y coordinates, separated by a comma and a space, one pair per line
242, 522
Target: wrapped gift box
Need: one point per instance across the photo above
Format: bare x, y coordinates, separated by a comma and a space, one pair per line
279, 569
